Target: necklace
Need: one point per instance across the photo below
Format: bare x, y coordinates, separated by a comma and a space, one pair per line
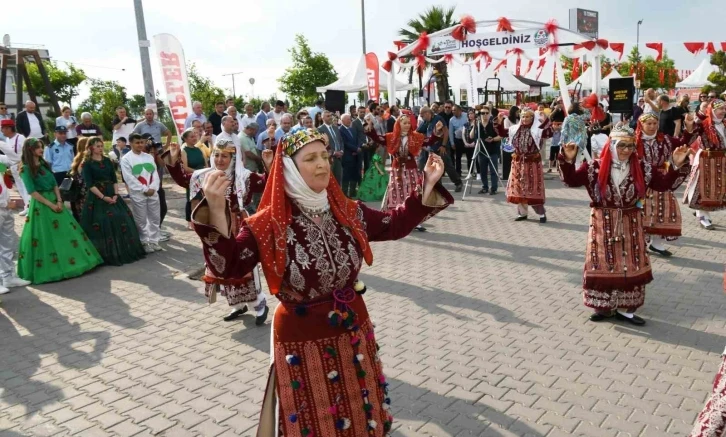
314, 212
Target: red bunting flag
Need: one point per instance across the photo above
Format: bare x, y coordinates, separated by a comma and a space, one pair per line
661, 76
694, 47
575, 68
529, 67
658, 47
710, 49
542, 61
618, 47
723, 46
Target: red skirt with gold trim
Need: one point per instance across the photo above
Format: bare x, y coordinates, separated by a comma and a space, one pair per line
404, 180
662, 214
616, 257
526, 180
711, 422
329, 379
709, 176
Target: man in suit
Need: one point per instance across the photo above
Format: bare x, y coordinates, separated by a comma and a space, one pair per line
360, 136
29, 122
335, 145
351, 157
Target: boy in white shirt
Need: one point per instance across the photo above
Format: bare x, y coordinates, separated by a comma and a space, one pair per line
141, 177
8, 238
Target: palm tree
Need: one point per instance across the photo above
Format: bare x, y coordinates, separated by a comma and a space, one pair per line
432, 20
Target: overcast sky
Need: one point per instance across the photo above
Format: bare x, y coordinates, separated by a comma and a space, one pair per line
254, 36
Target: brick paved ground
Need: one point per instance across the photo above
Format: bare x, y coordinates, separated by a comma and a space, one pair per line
482, 328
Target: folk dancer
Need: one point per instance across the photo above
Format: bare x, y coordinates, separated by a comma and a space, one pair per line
617, 267
661, 210
326, 377
404, 145
526, 179
706, 189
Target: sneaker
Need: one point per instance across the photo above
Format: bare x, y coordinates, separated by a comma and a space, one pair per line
458, 188
23, 213
493, 192
148, 248
14, 281
164, 236
156, 247
706, 223
4, 290
483, 191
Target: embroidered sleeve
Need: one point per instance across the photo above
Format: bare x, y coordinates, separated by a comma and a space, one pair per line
398, 223
257, 183
671, 180
430, 141
571, 176
229, 259
378, 139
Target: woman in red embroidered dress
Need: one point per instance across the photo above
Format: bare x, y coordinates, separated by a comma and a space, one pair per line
526, 179
706, 189
326, 378
711, 422
617, 267
662, 213
404, 144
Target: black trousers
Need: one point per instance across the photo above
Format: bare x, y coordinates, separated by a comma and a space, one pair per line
506, 165
462, 150
60, 176
162, 204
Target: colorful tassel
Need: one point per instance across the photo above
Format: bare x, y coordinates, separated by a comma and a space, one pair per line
296, 385
333, 410
334, 376
293, 418
292, 360
372, 424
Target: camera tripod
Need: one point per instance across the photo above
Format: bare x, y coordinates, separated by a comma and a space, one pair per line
472, 165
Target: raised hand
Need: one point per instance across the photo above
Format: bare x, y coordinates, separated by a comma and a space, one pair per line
174, 151
434, 169
680, 155
570, 151
215, 188
268, 157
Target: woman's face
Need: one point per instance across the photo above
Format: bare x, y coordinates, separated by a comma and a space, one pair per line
222, 160
405, 124
625, 149
472, 116
67, 113
720, 112
38, 149
192, 138
527, 118
97, 148
312, 161
650, 127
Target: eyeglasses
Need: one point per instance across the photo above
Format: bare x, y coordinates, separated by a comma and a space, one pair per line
626, 146
702, 96
711, 97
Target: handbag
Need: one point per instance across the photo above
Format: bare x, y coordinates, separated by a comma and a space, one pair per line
70, 190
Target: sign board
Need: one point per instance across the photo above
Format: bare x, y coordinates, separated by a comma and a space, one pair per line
584, 21
621, 95
500, 41
173, 66
534, 91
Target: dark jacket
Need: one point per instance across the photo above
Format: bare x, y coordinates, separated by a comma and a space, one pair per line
350, 145
487, 131
427, 128
23, 124
359, 131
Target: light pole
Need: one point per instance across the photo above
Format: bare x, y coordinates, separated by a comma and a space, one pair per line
144, 44
234, 91
637, 45
363, 22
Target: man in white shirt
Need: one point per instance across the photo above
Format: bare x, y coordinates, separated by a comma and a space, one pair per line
278, 112
13, 149
248, 118
228, 134
123, 126
195, 115
232, 112
29, 122
318, 108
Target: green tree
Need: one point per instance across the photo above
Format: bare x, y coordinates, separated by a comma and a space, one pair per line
136, 106
203, 90
309, 70
432, 20
63, 82
103, 98
718, 78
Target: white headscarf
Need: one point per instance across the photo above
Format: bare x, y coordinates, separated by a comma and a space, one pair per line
239, 173
298, 190
619, 170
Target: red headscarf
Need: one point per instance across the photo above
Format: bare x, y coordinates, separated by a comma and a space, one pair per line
708, 127
415, 139
274, 215
639, 146
606, 160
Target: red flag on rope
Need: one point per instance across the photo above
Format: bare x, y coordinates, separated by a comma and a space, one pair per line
575, 68
694, 47
618, 47
658, 47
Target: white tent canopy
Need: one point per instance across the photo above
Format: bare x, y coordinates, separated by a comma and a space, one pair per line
613, 75
587, 79
356, 80
507, 81
699, 77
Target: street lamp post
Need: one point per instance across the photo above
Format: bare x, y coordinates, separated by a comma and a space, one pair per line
363, 22
637, 45
144, 44
234, 91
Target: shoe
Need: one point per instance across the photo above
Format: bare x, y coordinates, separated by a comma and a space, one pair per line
4, 290
599, 317
520, 218
164, 236
666, 253
493, 192
156, 247
14, 281
483, 191
706, 224
235, 314
543, 219
639, 321
458, 188
420, 228
549, 170
261, 319
147, 248
23, 213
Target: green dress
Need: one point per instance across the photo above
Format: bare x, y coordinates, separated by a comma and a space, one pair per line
195, 160
374, 185
53, 245
111, 228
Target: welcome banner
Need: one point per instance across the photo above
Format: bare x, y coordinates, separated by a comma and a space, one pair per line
173, 66
492, 41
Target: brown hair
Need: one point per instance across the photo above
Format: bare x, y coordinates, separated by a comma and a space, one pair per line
80, 152
28, 157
